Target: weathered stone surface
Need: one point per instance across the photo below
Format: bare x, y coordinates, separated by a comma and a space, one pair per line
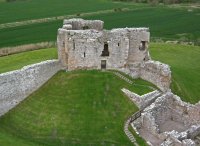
156, 73
81, 47
171, 120
143, 100
78, 23
17, 85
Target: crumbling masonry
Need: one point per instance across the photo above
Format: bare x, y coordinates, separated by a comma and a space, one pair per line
83, 44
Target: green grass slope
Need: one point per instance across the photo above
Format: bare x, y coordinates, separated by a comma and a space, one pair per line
185, 65
75, 108
17, 61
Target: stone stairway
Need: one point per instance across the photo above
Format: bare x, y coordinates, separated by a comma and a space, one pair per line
133, 118
129, 81
123, 77
128, 133
137, 114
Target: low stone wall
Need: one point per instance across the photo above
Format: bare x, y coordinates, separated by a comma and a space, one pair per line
17, 85
156, 73
143, 100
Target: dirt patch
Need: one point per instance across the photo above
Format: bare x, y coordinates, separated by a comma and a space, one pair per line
170, 125
150, 137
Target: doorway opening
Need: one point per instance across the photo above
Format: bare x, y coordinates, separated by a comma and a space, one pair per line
103, 64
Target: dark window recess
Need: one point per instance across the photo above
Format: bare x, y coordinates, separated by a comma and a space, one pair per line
142, 46
84, 54
105, 51
63, 44
74, 45
85, 27
118, 44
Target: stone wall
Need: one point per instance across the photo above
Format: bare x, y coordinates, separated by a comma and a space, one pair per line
157, 73
141, 100
17, 85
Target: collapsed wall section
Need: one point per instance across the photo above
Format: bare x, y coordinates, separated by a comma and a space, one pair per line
17, 85
81, 24
156, 73
169, 119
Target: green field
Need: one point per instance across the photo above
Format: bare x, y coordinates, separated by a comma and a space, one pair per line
184, 61
164, 22
17, 61
35, 9
76, 108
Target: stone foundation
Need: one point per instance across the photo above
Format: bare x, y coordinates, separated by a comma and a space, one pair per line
170, 121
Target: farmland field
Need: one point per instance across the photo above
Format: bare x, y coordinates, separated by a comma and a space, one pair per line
35, 9
75, 108
165, 23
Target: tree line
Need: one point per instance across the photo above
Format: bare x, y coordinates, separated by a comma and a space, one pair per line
161, 1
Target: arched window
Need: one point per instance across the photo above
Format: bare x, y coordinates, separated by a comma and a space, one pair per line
105, 51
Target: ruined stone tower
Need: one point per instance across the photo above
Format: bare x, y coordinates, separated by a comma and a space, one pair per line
83, 44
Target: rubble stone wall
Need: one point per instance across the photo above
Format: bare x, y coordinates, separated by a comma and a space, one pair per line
78, 24
17, 85
81, 48
156, 73
170, 107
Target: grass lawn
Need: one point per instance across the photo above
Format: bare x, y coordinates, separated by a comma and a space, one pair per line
185, 65
74, 108
17, 61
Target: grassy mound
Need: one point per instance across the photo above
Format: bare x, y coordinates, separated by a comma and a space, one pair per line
17, 61
73, 108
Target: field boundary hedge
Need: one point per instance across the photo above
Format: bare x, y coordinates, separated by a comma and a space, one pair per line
27, 47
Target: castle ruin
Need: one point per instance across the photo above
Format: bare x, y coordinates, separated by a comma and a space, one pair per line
83, 44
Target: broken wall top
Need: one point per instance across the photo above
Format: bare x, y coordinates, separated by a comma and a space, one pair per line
81, 24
